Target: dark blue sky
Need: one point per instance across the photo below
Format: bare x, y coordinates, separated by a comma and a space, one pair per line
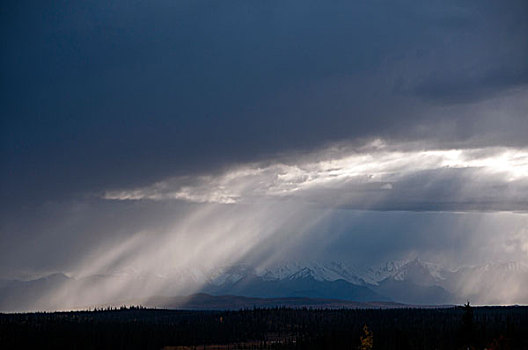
114, 93
100, 96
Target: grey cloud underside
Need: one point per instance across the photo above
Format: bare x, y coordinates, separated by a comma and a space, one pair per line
374, 177
425, 191
103, 95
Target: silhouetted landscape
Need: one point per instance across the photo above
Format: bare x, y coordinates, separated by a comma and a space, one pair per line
271, 328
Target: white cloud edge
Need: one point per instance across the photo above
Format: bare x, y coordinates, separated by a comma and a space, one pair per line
374, 166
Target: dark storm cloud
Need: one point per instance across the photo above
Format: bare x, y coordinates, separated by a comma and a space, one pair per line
469, 89
105, 94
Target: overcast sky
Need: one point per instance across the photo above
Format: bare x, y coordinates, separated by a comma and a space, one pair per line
356, 130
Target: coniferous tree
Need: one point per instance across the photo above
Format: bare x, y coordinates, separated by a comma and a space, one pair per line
468, 327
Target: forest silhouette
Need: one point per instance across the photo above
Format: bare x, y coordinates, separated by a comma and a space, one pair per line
460, 327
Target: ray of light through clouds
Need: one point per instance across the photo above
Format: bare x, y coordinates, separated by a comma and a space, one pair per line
144, 145
261, 213
365, 178
209, 236
246, 211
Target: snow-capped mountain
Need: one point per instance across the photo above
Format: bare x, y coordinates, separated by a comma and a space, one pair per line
331, 271
406, 281
375, 274
416, 270
312, 280
414, 282
422, 273
410, 282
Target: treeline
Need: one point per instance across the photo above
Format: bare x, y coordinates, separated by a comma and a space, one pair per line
279, 328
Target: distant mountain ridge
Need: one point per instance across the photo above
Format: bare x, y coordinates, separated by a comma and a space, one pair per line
409, 282
299, 284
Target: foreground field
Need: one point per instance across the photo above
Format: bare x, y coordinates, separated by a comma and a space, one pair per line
279, 328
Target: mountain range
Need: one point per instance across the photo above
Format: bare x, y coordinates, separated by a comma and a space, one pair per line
412, 282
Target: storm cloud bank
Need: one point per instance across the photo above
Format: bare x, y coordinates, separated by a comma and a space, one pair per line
364, 206
376, 177
158, 136
125, 93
